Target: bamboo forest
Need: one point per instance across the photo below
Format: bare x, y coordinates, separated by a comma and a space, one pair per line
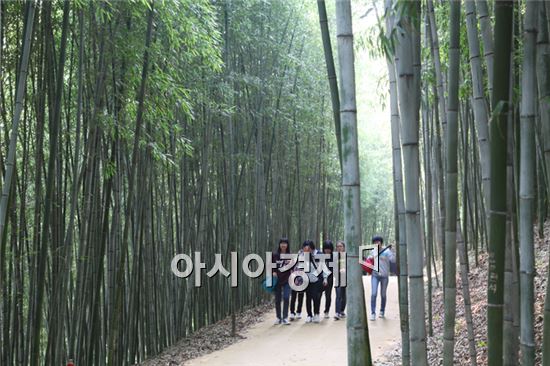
274, 182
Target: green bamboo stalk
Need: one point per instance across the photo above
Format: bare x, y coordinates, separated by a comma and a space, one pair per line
399, 197
357, 328
497, 234
331, 73
451, 188
408, 90
527, 184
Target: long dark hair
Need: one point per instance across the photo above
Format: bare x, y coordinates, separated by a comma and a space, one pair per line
328, 245
310, 244
283, 240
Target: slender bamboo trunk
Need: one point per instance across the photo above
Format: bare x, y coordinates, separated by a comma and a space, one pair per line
481, 111
400, 199
497, 235
439, 75
357, 329
543, 82
451, 188
485, 26
408, 90
331, 73
527, 184
440, 120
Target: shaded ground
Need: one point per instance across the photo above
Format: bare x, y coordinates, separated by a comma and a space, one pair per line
299, 343
208, 339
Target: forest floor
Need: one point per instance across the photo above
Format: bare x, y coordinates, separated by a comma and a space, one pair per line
263, 343
478, 292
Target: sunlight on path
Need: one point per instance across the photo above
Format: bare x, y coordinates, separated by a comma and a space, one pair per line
307, 344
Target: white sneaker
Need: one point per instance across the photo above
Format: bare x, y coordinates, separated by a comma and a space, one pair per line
381, 314
316, 318
277, 322
326, 315
308, 319
373, 316
292, 316
285, 322
342, 315
336, 316
299, 316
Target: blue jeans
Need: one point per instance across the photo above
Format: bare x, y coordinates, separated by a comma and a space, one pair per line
340, 299
282, 292
383, 281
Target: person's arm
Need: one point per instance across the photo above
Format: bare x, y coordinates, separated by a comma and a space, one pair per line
274, 258
391, 255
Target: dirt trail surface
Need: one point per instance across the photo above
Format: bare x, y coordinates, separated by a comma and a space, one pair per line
307, 344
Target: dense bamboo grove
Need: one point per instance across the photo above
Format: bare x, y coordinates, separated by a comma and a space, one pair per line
132, 131
484, 120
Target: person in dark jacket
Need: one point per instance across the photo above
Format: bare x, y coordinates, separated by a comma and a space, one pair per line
296, 309
282, 288
316, 282
328, 248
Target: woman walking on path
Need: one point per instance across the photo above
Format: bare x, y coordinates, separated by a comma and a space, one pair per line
282, 288
341, 291
313, 291
296, 311
380, 276
328, 248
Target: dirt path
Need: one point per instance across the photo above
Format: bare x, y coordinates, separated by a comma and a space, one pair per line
307, 344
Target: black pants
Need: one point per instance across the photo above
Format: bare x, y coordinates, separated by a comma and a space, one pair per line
300, 296
340, 299
327, 290
282, 292
313, 297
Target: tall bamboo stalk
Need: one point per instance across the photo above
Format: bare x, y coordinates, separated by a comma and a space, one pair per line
19, 102
527, 184
451, 188
481, 111
357, 328
331, 73
408, 90
499, 132
486, 28
543, 83
399, 196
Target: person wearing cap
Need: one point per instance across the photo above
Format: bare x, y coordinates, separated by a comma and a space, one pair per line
380, 276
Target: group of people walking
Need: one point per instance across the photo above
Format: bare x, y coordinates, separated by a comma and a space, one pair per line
321, 282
